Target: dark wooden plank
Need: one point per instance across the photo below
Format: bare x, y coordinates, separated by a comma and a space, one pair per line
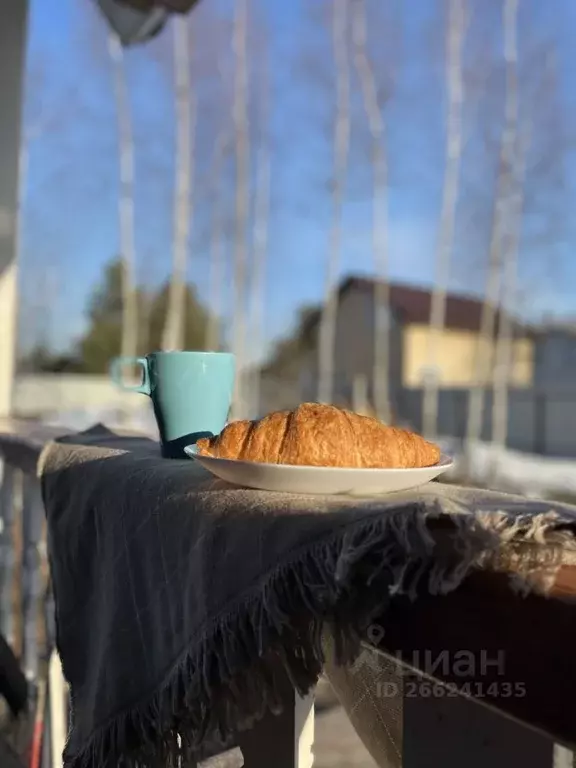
565, 585
514, 654
456, 732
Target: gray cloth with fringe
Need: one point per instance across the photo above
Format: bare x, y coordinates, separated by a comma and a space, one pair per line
177, 595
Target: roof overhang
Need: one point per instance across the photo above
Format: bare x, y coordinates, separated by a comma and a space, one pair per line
136, 21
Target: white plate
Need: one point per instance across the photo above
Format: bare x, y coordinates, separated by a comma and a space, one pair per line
325, 480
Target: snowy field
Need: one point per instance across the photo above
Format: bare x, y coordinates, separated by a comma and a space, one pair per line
502, 469
82, 418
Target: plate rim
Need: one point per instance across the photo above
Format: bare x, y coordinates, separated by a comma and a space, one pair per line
448, 463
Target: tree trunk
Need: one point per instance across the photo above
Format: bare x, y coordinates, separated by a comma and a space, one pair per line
173, 336
129, 340
505, 338
382, 324
360, 400
261, 216
240, 119
445, 244
328, 321
484, 354
217, 274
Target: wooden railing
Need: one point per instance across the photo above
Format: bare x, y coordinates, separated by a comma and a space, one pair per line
27, 614
490, 615
26, 604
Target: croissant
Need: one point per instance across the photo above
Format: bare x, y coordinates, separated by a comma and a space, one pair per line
321, 436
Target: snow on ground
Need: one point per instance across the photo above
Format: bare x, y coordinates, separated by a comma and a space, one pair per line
504, 469
79, 419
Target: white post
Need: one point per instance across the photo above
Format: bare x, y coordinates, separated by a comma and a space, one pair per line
12, 51
8, 305
58, 697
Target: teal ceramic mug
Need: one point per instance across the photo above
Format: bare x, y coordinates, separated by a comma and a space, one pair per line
191, 393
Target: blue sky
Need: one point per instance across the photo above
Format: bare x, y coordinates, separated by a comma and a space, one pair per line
70, 225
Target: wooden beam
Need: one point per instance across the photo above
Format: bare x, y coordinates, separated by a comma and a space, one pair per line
454, 731
285, 740
520, 650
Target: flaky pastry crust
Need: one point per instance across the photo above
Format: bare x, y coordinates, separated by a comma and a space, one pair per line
321, 436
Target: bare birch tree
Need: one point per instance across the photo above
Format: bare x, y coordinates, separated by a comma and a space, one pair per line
505, 336
217, 271
260, 232
129, 341
47, 293
242, 202
485, 347
186, 118
380, 240
445, 245
329, 317
31, 133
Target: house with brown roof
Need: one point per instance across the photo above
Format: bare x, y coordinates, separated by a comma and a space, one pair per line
555, 357
409, 323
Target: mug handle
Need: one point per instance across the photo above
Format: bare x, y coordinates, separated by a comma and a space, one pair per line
116, 373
